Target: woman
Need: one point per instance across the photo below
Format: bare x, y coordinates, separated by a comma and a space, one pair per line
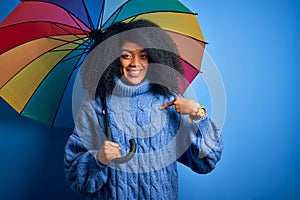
137, 98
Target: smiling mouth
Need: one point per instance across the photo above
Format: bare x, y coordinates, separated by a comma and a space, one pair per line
134, 73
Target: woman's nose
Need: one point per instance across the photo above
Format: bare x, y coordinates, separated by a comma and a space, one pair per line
135, 61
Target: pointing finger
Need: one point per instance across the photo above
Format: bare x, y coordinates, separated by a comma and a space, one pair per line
171, 103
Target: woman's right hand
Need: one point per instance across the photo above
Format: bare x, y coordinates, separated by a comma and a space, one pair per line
108, 151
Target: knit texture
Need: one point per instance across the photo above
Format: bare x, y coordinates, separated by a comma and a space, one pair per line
162, 137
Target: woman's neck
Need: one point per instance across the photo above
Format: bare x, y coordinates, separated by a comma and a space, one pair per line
129, 90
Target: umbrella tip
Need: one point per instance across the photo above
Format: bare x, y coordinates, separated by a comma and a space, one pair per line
94, 34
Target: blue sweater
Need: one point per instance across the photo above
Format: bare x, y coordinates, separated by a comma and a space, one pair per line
163, 137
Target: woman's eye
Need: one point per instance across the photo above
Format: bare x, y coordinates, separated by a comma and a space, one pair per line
144, 56
126, 56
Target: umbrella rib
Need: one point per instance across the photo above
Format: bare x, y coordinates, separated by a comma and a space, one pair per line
87, 47
100, 19
73, 42
185, 36
88, 15
27, 22
78, 55
117, 11
37, 87
87, 50
133, 18
49, 37
28, 64
58, 25
58, 50
55, 24
42, 82
61, 98
70, 14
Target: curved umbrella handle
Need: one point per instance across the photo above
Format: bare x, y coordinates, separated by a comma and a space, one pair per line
130, 153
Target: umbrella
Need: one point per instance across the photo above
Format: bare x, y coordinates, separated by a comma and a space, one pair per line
43, 43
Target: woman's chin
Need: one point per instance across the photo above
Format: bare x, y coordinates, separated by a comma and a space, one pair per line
132, 80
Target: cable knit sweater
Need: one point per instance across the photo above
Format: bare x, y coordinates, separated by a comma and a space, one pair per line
163, 137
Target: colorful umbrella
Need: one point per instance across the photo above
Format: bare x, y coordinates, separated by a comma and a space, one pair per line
43, 43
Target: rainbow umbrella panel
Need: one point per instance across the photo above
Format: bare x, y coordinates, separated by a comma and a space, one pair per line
43, 43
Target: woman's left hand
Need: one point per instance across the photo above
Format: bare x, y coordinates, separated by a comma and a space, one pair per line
186, 107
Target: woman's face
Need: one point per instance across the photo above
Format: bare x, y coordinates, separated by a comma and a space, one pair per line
134, 62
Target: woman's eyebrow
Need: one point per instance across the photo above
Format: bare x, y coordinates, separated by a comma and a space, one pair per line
127, 50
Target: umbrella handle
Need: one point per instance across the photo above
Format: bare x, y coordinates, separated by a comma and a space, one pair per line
130, 153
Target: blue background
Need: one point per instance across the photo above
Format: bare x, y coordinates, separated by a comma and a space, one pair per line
254, 44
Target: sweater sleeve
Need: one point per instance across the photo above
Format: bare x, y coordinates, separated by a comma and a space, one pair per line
205, 147
84, 172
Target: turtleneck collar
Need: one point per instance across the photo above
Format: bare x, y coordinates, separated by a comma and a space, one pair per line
122, 89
